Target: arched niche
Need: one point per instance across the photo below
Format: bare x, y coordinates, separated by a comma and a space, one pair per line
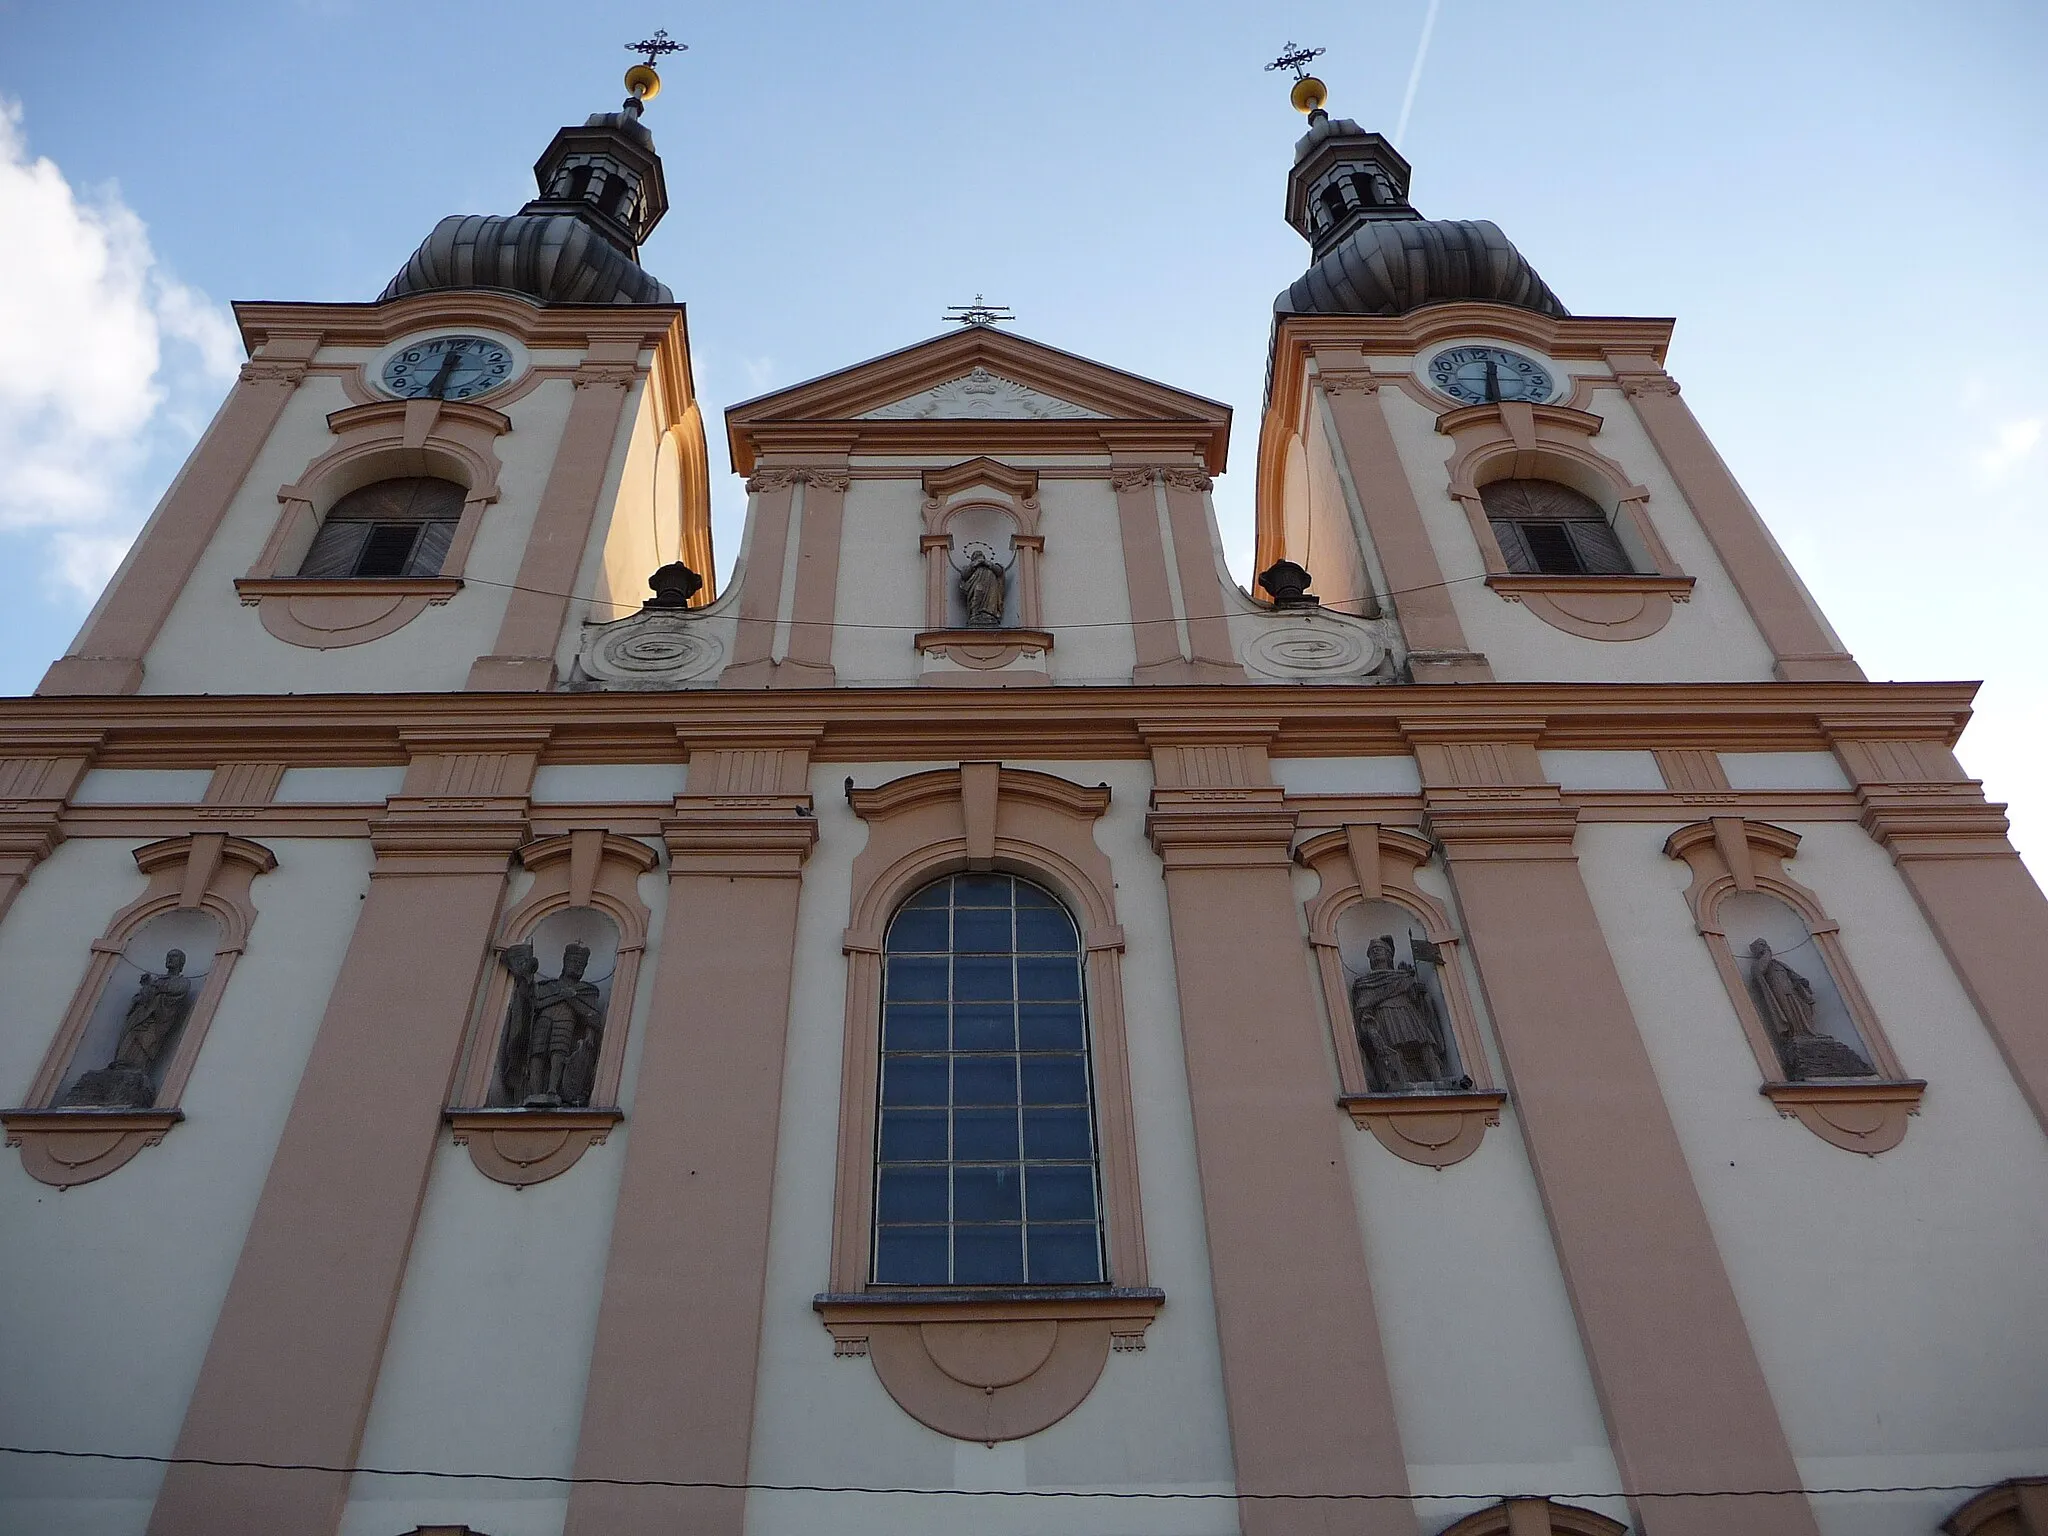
1822, 1055
987, 505
1368, 892
114, 1075
454, 441
584, 891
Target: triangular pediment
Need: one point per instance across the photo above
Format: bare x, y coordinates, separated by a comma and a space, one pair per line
969, 383
979, 395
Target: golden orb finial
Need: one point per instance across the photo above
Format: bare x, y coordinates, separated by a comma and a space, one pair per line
1308, 94
643, 82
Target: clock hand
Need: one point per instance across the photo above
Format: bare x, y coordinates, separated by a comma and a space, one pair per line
438, 389
1493, 381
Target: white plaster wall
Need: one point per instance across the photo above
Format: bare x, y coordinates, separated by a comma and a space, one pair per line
212, 644
1348, 775
1710, 638
1895, 1301
1784, 770
112, 1287
587, 783
1084, 593
339, 786
1603, 770
490, 1345
1491, 1388
880, 600
1154, 1421
619, 552
142, 786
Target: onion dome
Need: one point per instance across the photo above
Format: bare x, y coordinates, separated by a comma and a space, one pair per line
601, 194
1374, 254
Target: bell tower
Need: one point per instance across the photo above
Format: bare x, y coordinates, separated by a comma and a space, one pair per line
434, 490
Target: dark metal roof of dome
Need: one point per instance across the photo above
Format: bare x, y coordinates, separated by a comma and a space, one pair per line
1374, 254
601, 194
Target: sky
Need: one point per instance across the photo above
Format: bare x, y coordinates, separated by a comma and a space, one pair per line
1842, 204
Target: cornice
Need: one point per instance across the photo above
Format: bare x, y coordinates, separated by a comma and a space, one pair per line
375, 325
888, 724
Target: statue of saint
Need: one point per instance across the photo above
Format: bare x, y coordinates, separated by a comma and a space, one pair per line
154, 1014
552, 1031
1398, 1029
982, 588
1788, 1004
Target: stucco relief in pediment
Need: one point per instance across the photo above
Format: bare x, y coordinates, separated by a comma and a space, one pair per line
980, 395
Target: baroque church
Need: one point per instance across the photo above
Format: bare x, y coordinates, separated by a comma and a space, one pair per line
985, 1023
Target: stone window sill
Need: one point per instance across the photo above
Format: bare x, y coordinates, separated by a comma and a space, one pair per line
63, 1147
1432, 1129
966, 1304
435, 589
1864, 1115
529, 1146
1616, 607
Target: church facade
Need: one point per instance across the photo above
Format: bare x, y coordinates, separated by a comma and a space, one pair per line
985, 1023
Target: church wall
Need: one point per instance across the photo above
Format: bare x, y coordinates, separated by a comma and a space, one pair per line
1894, 1300
1085, 589
112, 1287
880, 597
1334, 546
211, 643
491, 1341
1710, 638
624, 546
1155, 1418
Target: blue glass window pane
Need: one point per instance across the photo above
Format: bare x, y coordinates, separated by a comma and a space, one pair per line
930, 896
913, 1079
1029, 895
1065, 1255
1055, 1080
984, 1027
988, 1255
981, 890
1049, 979
918, 1135
982, 979
912, 1194
1049, 1026
1057, 1134
984, 1080
910, 1256
984, 1135
986, 1194
922, 932
1062, 1193
984, 931
913, 1028
917, 981
1046, 931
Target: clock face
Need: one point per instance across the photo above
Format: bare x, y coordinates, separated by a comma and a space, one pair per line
1477, 375
448, 368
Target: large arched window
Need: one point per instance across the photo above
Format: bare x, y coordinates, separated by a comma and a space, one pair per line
985, 1170
1550, 529
399, 527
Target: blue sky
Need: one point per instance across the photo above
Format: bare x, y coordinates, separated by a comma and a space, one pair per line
1842, 203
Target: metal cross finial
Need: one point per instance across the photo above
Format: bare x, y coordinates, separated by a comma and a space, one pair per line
979, 313
659, 44
1296, 59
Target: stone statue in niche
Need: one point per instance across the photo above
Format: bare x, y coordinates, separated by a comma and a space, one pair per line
1400, 1033
552, 1031
154, 1014
983, 586
1788, 1003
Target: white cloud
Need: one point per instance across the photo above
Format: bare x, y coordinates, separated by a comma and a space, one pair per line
102, 353
2013, 446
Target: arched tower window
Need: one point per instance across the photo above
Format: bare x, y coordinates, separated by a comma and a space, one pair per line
1545, 528
986, 1158
399, 527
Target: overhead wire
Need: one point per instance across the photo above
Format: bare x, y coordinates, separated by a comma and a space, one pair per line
713, 1486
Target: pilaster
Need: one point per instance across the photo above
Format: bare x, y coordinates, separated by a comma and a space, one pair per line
318, 1279
1685, 1401
1304, 1374
38, 772
689, 1249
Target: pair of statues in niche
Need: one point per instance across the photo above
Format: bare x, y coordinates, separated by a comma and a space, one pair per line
155, 1013
554, 1026
1400, 1025
1791, 1009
